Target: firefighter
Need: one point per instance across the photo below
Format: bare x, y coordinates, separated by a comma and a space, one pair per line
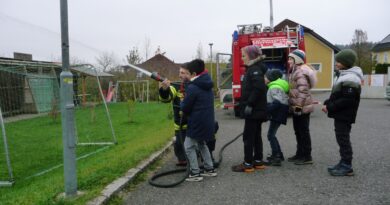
175, 92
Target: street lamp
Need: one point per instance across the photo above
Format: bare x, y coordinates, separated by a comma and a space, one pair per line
211, 59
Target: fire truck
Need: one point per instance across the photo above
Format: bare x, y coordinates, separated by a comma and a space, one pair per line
276, 45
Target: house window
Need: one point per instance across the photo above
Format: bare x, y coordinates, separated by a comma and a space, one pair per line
378, 58
385, 58
317, 66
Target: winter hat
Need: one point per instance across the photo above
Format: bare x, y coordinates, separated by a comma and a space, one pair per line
273, 74
298, 55
196, 66
253, 51
346, 57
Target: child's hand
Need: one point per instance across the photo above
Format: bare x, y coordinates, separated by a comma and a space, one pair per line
324, 109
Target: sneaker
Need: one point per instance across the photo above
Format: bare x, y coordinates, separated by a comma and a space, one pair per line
259, 164
181, 163
244, 167
208, 173
330, 168
194, 178
304, 161
274, 162
342, 170
294, 158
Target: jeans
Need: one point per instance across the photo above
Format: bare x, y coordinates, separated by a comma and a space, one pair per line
343, 130
253, 144
191, 146
302, 133
273, 141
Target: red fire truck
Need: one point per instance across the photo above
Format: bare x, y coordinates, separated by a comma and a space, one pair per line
276, 45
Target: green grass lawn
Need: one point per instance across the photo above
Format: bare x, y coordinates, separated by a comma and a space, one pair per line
35, 145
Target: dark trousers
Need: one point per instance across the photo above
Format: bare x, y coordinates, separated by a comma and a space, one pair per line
253, 145
178, 146
273, 141
343, 130
302, 133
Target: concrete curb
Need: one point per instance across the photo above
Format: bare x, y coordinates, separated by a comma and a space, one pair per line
121, 182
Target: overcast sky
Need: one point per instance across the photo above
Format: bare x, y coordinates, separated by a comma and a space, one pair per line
177, 26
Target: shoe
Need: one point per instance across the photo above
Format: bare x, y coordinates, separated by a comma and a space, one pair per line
181, 163
259, 164
304, 161
194, 178
330, 168
342, 170
294, 158
275, 161
270, 156
208, 173
244, 167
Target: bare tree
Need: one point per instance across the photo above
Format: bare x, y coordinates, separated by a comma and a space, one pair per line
199, 51
147, 47
362, 48
75, 61
134, 56
106, 61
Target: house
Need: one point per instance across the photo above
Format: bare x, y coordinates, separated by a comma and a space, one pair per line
160, 64
319, 53
381, 51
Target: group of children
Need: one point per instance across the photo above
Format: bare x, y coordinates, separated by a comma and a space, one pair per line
294, 97
274, 104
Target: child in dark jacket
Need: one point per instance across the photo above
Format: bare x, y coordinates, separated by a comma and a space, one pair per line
198, 105
342, 106
277, 111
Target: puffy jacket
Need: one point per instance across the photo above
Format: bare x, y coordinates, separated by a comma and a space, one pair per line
301, 80
344, 99
277, 101
174, 94
254, 91
198, 105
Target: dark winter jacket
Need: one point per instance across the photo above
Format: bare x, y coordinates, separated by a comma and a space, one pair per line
344, 100
254, 91
198, 106
277, 101
174, 94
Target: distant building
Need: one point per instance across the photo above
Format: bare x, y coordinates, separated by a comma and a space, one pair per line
319, 53
160, 64
381, 51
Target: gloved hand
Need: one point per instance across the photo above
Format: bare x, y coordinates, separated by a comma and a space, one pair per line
248, 110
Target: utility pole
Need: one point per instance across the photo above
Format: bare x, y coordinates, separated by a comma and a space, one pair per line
211, 60
271, 16
67, 108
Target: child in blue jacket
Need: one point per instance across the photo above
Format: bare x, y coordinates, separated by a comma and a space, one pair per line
198, 106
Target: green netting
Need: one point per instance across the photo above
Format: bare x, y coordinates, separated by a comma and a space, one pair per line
45, 92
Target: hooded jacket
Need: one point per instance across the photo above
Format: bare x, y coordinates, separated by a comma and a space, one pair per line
302, 79
344, 99
277, 101
254, 90
198, 106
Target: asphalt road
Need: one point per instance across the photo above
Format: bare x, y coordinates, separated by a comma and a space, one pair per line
291, 184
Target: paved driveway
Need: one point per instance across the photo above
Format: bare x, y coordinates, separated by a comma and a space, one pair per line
292, 184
